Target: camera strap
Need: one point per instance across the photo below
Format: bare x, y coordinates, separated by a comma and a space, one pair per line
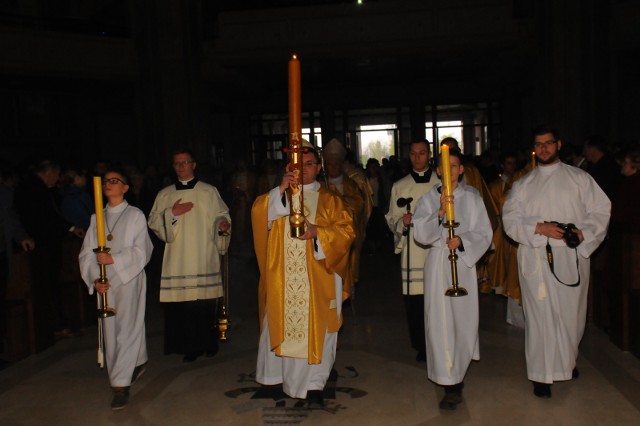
550, 260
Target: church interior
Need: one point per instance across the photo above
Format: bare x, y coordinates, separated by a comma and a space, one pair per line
93, 81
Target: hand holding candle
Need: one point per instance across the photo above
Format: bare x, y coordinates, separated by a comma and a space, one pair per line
97, 193
105, 311
447, 189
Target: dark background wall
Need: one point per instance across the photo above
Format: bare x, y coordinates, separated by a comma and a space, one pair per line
130, 81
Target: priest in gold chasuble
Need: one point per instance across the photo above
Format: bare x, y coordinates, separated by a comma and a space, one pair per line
300, 290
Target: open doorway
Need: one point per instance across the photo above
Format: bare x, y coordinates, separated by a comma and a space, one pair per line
377, 141
444, 129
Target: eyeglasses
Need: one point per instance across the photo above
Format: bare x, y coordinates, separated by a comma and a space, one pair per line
547, 144
182, 163
113, 181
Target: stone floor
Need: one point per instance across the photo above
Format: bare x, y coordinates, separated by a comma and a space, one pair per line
378, 380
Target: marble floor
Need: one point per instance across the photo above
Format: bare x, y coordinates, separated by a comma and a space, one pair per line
378, 381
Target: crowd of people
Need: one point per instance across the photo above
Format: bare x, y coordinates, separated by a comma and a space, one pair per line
530, 227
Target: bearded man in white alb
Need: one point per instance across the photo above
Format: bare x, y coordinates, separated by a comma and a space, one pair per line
553, 261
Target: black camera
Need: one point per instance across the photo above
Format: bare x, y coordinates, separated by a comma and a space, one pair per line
570, 238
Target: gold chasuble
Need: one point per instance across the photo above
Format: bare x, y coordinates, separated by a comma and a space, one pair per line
473, 178
354, 200
296, 291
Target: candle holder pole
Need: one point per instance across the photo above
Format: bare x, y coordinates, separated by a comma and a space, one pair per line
455, 290
105, 311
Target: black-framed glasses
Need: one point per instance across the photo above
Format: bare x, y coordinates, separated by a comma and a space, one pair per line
547, 144
113, 181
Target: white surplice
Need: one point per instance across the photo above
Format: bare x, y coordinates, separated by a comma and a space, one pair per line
124, 334
191, 262
555, 314
406, 188
451, 323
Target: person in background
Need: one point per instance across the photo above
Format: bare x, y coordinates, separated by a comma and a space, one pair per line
377, 230
503, 268
11, 231
334, 154
37, 207
626, 205
77, 205
601, 165
242, 187
193, 221
414, 185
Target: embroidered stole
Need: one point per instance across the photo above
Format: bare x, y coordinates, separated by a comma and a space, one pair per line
297, 288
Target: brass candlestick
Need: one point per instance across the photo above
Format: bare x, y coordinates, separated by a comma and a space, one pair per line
224, 319
455, 290
105, 311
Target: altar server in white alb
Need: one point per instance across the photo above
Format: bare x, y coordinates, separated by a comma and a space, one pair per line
193, 221
130, 250
405, 194
451, 323
554, 277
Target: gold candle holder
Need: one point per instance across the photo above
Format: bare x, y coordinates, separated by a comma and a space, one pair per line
105, 311
455, 290
224, 319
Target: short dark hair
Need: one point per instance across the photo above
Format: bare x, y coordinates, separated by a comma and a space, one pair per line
453, 152
373, 161
47, 165
634, 156
350, 157
508, 154
183, 150
452, 140
121, 172
543, 129
597, 142
424, 141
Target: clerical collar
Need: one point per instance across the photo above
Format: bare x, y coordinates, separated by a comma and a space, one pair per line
180, 185
421, 177
336, 180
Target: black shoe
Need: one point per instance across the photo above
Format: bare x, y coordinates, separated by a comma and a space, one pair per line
191, 356
211, 354
542, 390
315, 399
421, 356
120, 398
137, 373
575, 373
450, 401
